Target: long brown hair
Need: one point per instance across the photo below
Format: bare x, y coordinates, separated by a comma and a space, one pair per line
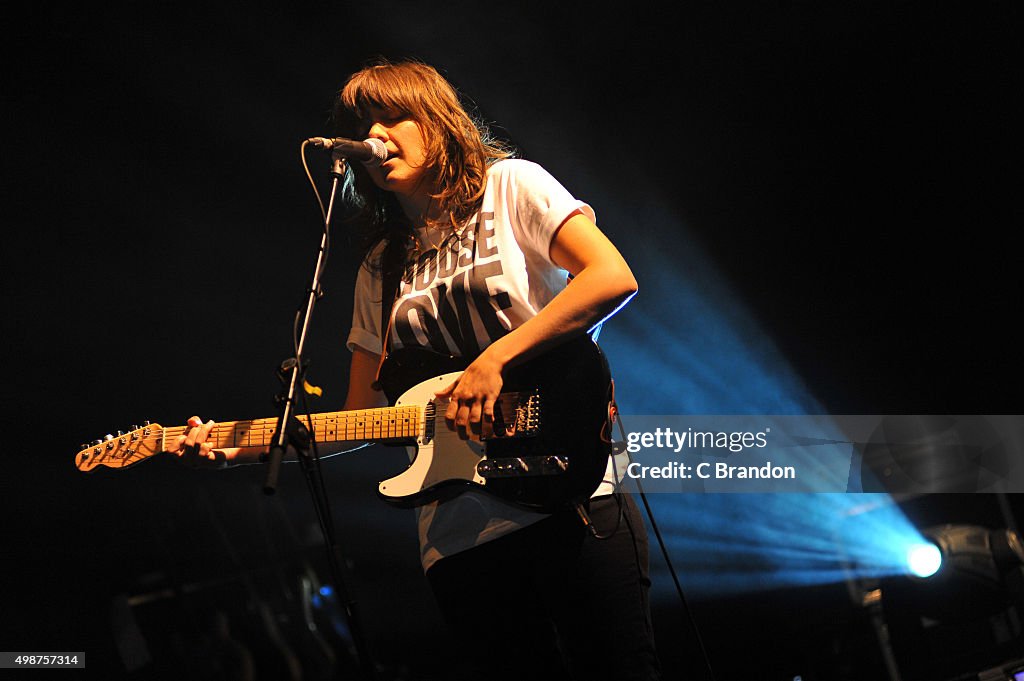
459, 148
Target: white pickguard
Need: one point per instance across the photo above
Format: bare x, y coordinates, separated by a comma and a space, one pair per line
445, 456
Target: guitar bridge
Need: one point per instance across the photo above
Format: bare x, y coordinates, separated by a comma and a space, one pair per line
524, 410
522, 466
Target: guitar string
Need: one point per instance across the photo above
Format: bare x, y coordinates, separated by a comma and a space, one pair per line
393, 422
404, 423
396, 421
401, 422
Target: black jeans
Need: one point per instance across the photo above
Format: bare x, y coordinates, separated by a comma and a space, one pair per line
551, 601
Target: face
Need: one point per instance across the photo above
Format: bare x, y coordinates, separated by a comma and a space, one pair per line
404, 171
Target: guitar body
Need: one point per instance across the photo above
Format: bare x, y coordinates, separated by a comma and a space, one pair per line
552, 432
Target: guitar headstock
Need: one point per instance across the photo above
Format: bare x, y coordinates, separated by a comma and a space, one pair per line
121, 450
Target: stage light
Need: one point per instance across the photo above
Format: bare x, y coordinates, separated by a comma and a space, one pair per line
924, 560
977, 571
960, 597
978, 557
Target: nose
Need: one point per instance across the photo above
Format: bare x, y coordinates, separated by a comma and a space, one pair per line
379, 131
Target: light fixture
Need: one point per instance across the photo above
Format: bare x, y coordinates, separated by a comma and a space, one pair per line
967, 571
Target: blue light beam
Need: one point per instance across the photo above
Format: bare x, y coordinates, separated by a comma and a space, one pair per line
687, 346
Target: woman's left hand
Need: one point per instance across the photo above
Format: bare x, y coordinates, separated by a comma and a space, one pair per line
472, 397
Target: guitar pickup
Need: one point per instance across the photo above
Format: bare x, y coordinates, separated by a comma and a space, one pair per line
522, 466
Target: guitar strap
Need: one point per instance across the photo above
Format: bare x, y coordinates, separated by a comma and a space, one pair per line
391, 277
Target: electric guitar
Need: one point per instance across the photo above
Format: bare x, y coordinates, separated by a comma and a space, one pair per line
550, 443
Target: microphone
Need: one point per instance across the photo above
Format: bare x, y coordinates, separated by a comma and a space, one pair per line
370, 152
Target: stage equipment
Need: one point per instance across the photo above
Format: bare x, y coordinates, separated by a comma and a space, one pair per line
956, 611
980, 571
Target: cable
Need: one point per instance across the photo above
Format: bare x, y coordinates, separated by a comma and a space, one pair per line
327, 522
616, 484
668, 561
327, 244
309, 175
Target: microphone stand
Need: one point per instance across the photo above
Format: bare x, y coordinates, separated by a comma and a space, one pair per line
291, 432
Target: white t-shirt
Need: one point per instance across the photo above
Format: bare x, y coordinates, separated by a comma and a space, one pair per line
463, 296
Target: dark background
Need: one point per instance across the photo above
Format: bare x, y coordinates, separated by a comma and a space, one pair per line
845, 168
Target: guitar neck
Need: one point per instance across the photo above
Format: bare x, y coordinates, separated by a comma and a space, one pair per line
385, 423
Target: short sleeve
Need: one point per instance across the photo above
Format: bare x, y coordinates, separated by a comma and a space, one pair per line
538, 204
365, 332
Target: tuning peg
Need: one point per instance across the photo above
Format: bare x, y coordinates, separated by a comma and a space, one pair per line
97, 442
84, 445
108, 436
135, 426
120, 433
